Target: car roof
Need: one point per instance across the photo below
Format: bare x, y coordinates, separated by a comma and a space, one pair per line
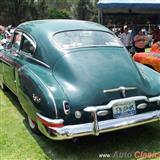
51, 26
42, 31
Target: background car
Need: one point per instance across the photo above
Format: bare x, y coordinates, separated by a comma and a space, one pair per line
151, 60
75, 78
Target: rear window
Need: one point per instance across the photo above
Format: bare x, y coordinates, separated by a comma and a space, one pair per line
76, 39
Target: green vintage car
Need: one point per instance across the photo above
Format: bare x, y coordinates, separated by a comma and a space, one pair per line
75, 78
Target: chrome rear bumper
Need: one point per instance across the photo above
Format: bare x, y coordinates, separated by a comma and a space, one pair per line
95, 127
71, 131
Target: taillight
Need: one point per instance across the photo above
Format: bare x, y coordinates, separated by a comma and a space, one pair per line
50, 122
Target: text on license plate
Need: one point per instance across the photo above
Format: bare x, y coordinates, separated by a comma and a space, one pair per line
124, 109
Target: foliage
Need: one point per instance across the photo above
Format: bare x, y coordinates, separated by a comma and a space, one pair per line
60, 14
16, 10
41, 9
85, 10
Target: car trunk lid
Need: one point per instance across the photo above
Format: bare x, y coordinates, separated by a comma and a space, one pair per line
85, 74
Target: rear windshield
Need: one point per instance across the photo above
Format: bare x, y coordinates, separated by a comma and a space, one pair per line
76, 39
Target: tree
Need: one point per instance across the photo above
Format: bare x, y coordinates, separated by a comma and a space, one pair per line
41, 9
84, 9
57, 14
18, 11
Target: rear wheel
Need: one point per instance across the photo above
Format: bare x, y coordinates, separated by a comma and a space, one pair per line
33, 126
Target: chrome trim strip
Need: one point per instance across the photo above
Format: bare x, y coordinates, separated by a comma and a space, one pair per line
71, 131
33, 42
114, 102
38, 61
55, 121
154, 99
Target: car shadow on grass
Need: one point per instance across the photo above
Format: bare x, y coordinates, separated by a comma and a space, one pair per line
120, 144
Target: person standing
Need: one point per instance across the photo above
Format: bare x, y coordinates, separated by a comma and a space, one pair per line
156, 34
140, 41
125, 38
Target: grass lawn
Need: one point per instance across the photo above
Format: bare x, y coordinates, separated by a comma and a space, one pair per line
17, 142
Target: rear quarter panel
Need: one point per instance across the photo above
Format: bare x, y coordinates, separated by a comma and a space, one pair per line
37, 80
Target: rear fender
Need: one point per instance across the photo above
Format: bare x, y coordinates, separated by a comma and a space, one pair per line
34, 95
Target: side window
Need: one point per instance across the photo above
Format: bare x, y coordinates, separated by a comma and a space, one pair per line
17, 40
27, 46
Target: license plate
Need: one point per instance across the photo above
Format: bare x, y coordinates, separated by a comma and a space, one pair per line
124, 110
